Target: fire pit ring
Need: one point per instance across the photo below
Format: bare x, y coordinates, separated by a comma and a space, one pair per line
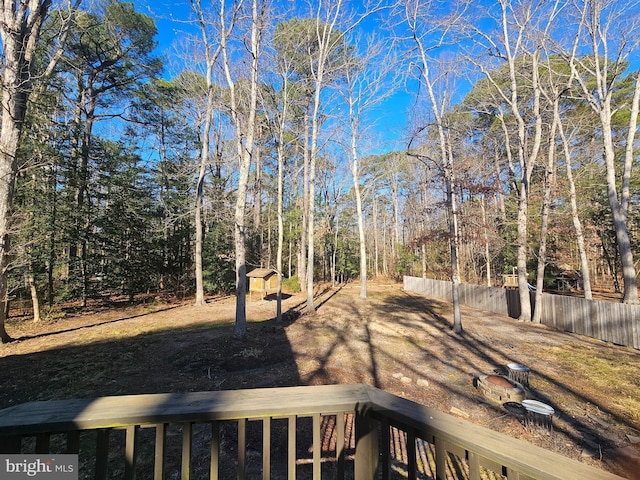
499, 388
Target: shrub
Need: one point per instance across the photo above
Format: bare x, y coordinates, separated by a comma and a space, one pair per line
291, 285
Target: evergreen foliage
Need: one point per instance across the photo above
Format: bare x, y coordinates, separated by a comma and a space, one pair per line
108, 165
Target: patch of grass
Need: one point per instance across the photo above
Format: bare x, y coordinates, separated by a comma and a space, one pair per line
291, 284
51, 314
250, 353
614, 375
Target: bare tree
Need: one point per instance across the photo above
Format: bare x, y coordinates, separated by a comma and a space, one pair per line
548, 180
365, 85
212, 47
20, 27
281, 104
554, 91
575, 218
611, 32
326, 23
245, 132
217, 25
517, 47
428, 34
325, 39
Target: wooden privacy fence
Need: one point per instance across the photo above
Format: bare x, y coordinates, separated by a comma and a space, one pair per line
608, 321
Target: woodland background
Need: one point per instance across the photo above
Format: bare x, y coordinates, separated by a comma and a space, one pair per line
259, 139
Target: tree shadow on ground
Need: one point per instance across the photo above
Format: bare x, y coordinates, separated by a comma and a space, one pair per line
473, 351
348, 340
173, 358
394, 340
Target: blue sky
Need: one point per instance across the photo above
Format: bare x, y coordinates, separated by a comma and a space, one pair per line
394, 113
391, 115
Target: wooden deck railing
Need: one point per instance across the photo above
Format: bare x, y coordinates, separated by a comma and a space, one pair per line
334, 431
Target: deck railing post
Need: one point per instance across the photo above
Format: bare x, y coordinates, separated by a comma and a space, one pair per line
367, 448
102, 454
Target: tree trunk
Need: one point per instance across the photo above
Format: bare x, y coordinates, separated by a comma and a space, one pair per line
20, 30
527, 160
302, 258
544, 226
376, 260
623, 241
499, 193
199, 239
523, 282
279, 266
385, 254
52, 238
290, 250
334, 258
257, 208
280, 213
310, 231
577, 225
204, 160
7, 178
359, 214
396, 217
245, 138
211, 56
485, 238
82, 223
455, 264
240, 238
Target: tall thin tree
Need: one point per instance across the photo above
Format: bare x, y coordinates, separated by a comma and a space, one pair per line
366, 84
429, 34
212, 47
611, 33
514, 44
245, 133
20, 26
332, 23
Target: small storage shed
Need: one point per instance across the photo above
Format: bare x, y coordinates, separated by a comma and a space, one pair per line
510, 280
263, 280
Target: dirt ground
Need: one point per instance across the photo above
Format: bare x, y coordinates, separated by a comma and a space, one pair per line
394, 340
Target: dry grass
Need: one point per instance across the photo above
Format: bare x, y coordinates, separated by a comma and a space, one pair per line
394, 340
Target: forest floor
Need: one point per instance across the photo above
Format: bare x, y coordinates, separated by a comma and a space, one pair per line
395, 340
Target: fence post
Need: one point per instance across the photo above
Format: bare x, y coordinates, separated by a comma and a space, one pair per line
367, 450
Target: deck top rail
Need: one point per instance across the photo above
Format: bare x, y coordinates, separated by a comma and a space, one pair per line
520, 459
148, 409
